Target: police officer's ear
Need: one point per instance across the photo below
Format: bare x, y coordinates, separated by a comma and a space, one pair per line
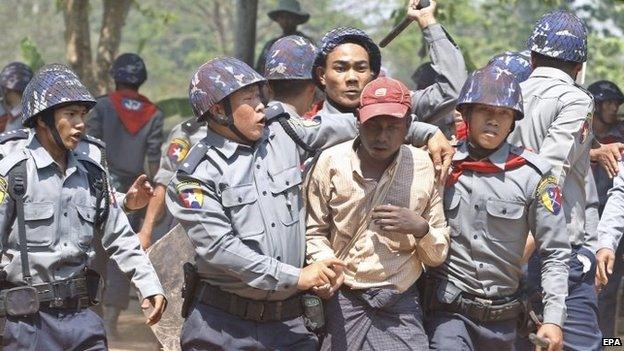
217, 110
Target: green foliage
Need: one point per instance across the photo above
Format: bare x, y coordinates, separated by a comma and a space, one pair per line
31, 54
175, 107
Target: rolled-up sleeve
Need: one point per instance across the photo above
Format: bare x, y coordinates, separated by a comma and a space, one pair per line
611, 225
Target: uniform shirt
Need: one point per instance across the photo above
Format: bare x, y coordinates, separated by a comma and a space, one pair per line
490, 216
179, 142
59, 212
603, 182
557, 125
611, 225
125, 152
340, 201
241, 205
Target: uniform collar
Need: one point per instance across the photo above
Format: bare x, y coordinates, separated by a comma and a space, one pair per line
43, 159
498, 158
551, 72
227, 147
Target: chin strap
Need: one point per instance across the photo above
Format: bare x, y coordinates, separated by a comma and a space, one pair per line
49, 121
228, 121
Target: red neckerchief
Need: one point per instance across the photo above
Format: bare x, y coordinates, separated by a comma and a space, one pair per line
316, 107
461, 130
134, 110
484, 166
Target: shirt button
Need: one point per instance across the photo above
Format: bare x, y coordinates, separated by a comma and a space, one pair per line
480, 265
258, 166
476, 207
240, 199
264, 192
487, 289
65, 214
287, 183
474, 237
273, 225
279, 258
504, 211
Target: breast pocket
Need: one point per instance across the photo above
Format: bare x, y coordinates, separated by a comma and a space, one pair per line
241, 205
451, 211
40, 225
286, 186
505, 218
83, 224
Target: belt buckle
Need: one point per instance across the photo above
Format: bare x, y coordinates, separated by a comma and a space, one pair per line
483, 301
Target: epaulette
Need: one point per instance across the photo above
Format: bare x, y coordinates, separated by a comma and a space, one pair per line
191, 126
9, 161
95, 141
85, 157
541, 165
13, 135
194, 157
274, 111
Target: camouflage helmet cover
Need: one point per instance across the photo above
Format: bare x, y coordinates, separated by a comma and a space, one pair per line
53, 85
341, 35
129, 68
604, 90
15, 76
290, 57
517, 63
217, 79
561, 35
492, 86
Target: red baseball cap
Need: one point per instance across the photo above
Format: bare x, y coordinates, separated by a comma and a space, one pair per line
384, 96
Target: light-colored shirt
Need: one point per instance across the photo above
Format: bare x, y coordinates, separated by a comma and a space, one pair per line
340, 201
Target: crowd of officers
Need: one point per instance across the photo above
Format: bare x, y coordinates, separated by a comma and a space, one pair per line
463, 215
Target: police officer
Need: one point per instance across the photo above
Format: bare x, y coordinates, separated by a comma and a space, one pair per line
496, 193
288, 15
54, 209
558, 127
158, 220
237, 195
348, 59
131, 126
13, 79
607, 129
288, 71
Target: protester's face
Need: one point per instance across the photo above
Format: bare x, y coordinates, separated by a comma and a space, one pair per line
287, 22
346, 72
489, 126
608, 110
382, 136
248, 112
70, 124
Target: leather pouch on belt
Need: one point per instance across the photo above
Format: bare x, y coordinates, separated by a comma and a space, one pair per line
20, 301
447, 292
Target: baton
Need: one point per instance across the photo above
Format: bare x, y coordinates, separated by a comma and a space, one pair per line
401, 26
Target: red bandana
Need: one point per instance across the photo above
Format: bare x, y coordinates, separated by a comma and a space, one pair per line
461, 130
134, 110
314, 110
485, 166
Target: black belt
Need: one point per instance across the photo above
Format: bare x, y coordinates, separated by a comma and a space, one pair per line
65, 294
254, 310
478, 308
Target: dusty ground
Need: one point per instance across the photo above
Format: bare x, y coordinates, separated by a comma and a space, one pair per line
135, 334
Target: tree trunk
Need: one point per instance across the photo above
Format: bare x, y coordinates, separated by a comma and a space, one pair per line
113, 20
77, 41
247, 11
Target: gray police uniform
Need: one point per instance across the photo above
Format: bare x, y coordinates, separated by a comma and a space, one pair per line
558, 126
179, 142
490, 215
242, 209
59, 213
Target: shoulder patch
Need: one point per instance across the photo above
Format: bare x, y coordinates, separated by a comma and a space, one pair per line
191, 126
194, 157
585, 129
549, 194
541, 165
14, 135
178, 149
4, 189
9, 161
190, 194
94, 140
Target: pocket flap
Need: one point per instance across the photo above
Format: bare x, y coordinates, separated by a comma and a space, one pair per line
505, 209
34, 211
86, 212
285, 179
239, 195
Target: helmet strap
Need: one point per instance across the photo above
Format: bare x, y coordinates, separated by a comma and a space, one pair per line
48, 119
228, 121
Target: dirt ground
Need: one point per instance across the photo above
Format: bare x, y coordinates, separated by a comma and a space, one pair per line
135, 335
